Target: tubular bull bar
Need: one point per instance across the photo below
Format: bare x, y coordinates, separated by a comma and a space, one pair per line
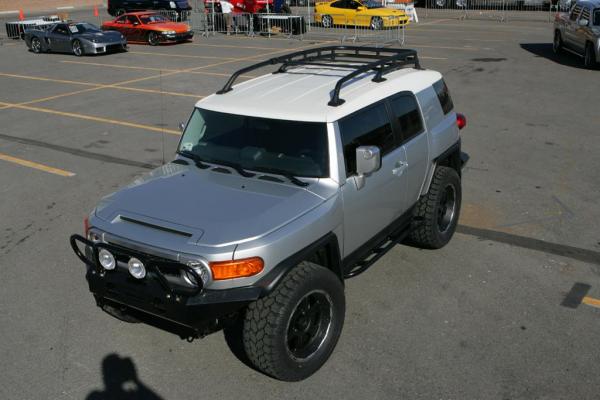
159, 294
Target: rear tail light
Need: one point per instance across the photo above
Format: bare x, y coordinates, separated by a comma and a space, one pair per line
236, 268
461, 120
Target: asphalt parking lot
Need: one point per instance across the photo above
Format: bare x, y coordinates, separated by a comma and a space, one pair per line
480, 319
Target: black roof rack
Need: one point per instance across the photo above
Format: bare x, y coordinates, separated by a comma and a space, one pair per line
360, 59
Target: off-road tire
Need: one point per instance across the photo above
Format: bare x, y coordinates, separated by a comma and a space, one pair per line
557, 43
428, 233
589, 57
268, 322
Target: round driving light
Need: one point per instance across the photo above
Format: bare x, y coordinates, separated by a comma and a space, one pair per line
107, 260
136, 268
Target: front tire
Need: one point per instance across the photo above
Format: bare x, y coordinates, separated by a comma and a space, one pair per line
153, 38
437, 212
376, 23
77, 48
290, 333
327, 21
36, 45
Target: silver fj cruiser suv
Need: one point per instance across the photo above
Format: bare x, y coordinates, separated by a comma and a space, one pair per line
578, 31
283, 186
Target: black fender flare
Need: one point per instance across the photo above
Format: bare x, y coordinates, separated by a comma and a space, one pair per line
330, 241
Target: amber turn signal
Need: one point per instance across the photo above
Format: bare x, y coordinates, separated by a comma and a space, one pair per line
236, 268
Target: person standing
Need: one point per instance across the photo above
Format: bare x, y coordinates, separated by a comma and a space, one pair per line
227, 9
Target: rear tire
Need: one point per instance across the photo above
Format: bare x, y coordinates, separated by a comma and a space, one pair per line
589, 58
327, 21
557, 44
290, 333
437, 212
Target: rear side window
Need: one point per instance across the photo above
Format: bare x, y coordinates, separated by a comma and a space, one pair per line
406, 111
443, 96
368, 127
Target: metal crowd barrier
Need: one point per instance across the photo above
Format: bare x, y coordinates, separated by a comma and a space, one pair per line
376, 30
498, 10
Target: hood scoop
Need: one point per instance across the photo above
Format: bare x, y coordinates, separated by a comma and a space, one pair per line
157, 227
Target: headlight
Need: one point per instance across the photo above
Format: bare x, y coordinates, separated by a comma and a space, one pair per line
169, 32
136, 268
106, 259
201, 269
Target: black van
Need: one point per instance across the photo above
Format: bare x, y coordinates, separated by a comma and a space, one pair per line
118, 7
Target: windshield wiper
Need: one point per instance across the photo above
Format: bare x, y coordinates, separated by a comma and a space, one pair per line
285, 174
197, 160
237, 167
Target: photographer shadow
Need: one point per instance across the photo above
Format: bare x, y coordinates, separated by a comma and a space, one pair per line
121, 381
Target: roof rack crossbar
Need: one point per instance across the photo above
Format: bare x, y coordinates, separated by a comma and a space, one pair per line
360, 59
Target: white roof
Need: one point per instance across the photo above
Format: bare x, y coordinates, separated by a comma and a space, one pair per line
302, 94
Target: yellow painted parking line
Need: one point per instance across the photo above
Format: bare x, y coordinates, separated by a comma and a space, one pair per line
34, 165
93, 118
149, 53
590, 301
94, 85
169, 71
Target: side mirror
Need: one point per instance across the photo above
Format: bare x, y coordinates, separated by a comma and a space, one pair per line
368, 160
583, 22
181, 126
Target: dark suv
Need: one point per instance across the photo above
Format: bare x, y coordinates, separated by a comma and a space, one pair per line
118, 7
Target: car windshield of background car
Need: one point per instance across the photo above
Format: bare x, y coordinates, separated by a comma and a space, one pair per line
153, 19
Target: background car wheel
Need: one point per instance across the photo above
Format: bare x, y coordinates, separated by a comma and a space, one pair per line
376, 23
290, 333
440, 3
77, 48
36, 45
153, 39
589, 58
327, 21
437, 212
557, 43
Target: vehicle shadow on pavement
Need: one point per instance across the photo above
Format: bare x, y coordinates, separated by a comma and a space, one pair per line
121, 381
544, 50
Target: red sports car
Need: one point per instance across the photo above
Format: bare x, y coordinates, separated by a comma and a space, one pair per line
149, 27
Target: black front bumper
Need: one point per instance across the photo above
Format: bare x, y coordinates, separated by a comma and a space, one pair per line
193, 307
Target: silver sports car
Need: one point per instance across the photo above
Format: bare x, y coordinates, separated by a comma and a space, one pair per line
78, 38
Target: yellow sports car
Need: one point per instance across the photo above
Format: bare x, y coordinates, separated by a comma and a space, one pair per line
340, 13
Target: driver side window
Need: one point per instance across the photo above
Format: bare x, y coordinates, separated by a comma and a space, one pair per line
338, 4
133, 20
353, 5
121, 20
61, 30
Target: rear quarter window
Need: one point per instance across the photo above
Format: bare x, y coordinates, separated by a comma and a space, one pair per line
443, 95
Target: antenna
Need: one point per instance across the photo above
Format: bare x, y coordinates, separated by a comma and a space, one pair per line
162, 118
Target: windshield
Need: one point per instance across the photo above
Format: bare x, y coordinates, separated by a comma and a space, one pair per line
83, 27
596, 17
258, 144
153, 19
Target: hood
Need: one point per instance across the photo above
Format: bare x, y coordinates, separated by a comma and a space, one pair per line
202, 207
101, 36
178, 27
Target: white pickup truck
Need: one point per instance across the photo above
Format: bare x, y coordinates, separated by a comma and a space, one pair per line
578, 31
